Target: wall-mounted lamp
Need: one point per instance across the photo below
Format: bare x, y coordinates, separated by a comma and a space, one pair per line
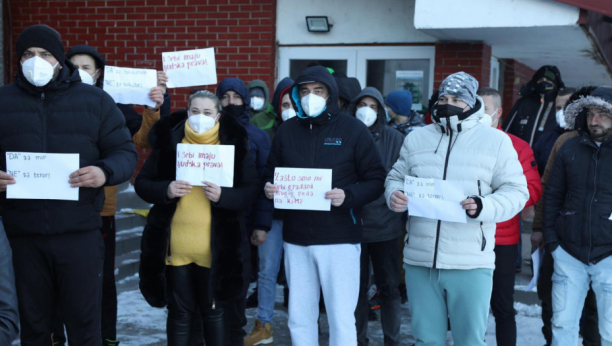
318, 24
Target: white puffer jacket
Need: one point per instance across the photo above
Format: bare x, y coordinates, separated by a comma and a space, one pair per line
483, 161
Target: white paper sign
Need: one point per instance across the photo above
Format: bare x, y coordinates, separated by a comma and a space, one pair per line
434, 199
196, 163
130, 85
536, 260
190, 67
42, 176
302, 188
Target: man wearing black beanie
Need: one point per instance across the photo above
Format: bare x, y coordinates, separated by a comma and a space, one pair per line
57, 247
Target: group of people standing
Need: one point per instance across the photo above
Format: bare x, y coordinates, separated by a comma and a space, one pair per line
197, 244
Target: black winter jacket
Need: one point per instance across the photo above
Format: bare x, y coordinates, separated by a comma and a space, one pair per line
533, 114
330, 141
578, 196
9, 315
228, 215
66, 116
379, 222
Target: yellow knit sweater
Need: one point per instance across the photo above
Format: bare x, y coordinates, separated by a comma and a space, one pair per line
191, 225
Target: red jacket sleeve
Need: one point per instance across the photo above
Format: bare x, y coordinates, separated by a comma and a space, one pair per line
530, 169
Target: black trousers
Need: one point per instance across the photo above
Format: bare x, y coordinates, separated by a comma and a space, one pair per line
188, 295
385, 261
62, 270
109, 288
589, 326
236, 309
502, 297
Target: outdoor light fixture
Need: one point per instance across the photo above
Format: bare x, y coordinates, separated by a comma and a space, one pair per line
318, 24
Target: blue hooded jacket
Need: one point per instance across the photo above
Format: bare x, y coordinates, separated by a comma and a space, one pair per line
259, 146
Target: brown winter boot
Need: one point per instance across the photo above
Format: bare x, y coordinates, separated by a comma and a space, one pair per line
261, 335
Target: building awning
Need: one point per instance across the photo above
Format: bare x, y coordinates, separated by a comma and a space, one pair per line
534, 32
598, 6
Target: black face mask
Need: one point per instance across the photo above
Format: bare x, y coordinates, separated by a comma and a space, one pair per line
545, 87
234, 110
447, 111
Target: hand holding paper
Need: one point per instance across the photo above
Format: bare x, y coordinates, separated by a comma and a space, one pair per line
212, 191
270, 190
337, 197
157, 95
90, 176
162, 80
399, 202
470, 206
178, 188
5, 179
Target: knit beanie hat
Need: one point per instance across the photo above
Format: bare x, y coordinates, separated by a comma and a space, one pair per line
400, 102
42, 36
461, 85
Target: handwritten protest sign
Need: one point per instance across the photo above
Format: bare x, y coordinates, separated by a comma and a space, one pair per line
196, 163
434, 199
130, 85
302, 188
41, 176
190, 67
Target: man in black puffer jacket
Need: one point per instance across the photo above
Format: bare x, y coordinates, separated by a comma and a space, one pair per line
577, 218
57, 246
322, 249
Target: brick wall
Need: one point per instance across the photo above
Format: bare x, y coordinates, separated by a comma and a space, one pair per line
472, 58
515, 76
134, 33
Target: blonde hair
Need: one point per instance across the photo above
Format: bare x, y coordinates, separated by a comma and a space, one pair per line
205, 94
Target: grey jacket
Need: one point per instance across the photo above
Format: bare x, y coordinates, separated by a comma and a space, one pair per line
9, 316
379, 222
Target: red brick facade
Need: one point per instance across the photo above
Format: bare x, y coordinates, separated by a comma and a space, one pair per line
472, 58
515, 76
134, 33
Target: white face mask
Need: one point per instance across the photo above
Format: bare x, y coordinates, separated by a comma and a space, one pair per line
257, 103
487, 119
201, 123
287, 114
313, 105
86, 77
38, 71
366, 115
561, 118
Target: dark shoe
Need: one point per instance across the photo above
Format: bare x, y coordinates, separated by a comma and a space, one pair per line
252, 301
403, 294
286, 297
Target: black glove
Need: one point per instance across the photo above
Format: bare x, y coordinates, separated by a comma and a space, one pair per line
478, 202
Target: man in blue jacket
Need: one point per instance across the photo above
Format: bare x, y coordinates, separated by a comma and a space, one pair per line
322, 248
236, 101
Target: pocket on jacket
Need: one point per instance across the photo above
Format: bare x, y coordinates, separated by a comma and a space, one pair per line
559, 292
565, 226
605, 232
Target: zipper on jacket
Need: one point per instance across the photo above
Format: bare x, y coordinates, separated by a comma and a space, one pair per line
450, 141
596, 158
535, 123
484, 240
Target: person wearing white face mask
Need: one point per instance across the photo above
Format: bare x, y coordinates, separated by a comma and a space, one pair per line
322, 248
90, 64
382, 228
270, 118
51, 111
198, 228
508, 233
260, 98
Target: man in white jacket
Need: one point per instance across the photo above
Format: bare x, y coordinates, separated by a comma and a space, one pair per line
449, 266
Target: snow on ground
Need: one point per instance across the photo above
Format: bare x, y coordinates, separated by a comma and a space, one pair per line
141, 325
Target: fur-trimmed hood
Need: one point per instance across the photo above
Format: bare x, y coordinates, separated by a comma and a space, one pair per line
575, 113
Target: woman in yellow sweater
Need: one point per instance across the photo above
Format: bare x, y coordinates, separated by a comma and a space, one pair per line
191, 255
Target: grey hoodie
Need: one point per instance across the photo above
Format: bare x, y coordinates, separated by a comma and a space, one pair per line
379, 222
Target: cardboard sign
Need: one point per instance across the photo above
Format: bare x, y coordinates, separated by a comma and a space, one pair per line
130, 85
434, 199
190, 68
196, 163
42, 176
302, 188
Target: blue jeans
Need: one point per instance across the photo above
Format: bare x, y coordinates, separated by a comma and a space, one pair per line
571, 280
270, 257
